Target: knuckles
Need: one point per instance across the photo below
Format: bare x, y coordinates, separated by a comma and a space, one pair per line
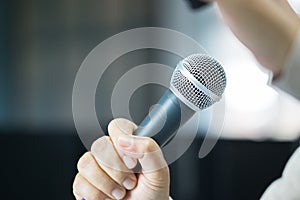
149, 145
165, 172
85, 161
88, 157
76, 184
100, 144
79, 187
95, 196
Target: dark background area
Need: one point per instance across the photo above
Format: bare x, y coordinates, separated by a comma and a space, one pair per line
35, 166
43, 43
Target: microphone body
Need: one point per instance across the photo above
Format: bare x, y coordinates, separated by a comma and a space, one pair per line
165, 118
197, 82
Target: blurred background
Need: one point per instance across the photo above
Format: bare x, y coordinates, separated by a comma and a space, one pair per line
42, 45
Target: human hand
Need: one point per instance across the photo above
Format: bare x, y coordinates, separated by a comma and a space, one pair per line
107, 171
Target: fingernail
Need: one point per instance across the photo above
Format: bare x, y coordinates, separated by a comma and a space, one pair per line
125, 126
118, 193
83, 198
129, 183
129, 162
126, 142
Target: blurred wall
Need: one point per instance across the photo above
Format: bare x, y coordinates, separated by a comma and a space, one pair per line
42, 46
44, 43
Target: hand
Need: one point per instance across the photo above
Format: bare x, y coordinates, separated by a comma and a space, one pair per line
268, 28
106, 171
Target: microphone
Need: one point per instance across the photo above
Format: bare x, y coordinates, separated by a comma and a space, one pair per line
197, 82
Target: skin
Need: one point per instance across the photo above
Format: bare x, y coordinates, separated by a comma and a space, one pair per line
267, 27
108, 166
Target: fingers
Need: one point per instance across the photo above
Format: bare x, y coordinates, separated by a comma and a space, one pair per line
102, 171
112, 167
149, 155
144, 149
82, 188
133, 148
105, 172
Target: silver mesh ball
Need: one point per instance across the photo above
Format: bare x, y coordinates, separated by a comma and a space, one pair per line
208, 72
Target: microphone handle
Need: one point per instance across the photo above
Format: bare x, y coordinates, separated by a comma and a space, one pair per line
165, 118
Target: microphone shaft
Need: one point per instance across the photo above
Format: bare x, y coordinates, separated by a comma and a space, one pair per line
165, 118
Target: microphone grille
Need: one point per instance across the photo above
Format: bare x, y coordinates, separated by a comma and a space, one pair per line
202, 70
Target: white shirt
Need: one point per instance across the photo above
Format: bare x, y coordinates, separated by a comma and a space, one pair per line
288, 186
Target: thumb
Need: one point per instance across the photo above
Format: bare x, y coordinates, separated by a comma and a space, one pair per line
145, 149
132, 148
148, 153
154, 177
118, 128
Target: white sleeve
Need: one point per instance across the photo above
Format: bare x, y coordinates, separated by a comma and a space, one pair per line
170, 198
289, 80
286, 187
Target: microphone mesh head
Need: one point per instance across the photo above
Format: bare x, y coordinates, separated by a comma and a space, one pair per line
208, 72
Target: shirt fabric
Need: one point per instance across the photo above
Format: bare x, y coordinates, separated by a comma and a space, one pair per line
288, 186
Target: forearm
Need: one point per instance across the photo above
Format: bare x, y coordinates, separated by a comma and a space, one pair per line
268, 29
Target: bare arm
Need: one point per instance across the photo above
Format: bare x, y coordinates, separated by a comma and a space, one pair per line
268, 28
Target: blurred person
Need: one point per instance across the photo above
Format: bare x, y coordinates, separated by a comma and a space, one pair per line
270, 29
